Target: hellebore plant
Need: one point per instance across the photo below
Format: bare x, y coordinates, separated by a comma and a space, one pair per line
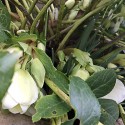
58, 57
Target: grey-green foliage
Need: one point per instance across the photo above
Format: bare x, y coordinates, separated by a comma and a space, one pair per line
50, 106
84, 102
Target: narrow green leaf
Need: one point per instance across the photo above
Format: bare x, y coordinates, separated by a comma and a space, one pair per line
84, 102
83, 42
70, 122
110, 111
24, 37
7, 65
109, 57
52, 73
102, 82
50, 106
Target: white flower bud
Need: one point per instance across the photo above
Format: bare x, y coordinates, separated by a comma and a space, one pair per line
118, 92
70, 3
94, 68
82, 73
111, 66
100, 123
73, 14
83, 4
41, 46
21, 93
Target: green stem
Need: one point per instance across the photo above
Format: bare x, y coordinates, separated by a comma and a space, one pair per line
37, 9
29, 11
25, 4
122, 112
61, 32
8, 6
18, 10
39, 16
25, 62
69, 21
58, 91
60, 18
76, 24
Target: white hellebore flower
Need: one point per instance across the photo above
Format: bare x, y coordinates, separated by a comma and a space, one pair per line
118, 92
70, 3
21, 93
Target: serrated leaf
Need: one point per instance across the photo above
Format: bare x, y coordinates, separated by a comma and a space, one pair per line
50, 106
52, 73
7, 65
110, 111
84, 102
102, 82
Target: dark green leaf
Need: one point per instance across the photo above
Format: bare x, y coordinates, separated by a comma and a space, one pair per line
52, 73
46, 61
24, 37
84, 102
83, 43
102, 82
110, 111
4, 22
7, 64
109, 57
50, 106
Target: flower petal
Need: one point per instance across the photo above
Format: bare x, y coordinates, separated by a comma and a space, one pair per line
118, 92
24, 108
16, 109
23, 88
8, 102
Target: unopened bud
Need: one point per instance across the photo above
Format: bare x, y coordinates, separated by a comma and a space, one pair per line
41, 46
70, 3
38, 71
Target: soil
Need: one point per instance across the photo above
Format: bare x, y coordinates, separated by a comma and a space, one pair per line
12, 119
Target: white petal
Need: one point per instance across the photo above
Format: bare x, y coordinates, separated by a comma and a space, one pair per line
8, 102
23, 88
118, 92
16, 109
24, 108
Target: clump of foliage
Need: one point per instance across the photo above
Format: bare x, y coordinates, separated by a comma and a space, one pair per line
63, 60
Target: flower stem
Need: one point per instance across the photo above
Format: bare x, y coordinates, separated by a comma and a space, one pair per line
76, 24
25, 62
29, 11
58, 91
33, 26
25, 4
8, 6
122, 112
